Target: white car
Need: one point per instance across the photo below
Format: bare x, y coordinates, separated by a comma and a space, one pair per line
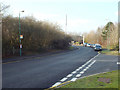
98, 48
88, 45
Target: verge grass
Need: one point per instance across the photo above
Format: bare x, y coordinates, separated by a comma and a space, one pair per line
108, 52
93, 81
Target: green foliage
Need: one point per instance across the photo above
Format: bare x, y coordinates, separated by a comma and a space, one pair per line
38, 35
106, 30
107, 36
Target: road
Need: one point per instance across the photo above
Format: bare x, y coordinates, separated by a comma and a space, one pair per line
43, 72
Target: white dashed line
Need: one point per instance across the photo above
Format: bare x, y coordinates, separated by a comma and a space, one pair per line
78, 75
77, 69
69, 75
73, 79
86, 63
80, 68
84, 69
87, 67
83, 65
93, 61
63, 79
82, 72
74, 72
56, 84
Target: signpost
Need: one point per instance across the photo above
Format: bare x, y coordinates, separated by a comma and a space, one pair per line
20, 45
21, 36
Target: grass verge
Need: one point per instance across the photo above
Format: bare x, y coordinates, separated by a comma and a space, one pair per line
104, 80
107, 52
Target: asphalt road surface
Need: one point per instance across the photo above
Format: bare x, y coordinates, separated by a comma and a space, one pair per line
44, 72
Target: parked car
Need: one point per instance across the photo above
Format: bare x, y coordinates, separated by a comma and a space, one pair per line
97, 47
88, 45
85, 44
92, 45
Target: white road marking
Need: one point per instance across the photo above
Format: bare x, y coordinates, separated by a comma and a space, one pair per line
83, 65
77, 69
118, 62
86, 63
82, 72
63, 79
73, 79
93, 61
87, 67
74, 72
84, 69
69, 75
78, 75
91, 64
89, 61
56, 84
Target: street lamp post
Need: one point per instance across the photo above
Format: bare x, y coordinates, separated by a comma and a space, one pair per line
19, 35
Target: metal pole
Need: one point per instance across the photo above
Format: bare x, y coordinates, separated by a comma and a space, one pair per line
20, 34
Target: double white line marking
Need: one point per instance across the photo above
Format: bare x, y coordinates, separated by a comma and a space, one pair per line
74, 72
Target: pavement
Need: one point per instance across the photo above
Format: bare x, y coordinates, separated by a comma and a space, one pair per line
46, 71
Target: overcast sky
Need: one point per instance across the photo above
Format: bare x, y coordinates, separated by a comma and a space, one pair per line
82, 15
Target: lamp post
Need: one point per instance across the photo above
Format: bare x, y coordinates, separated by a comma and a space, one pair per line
20, 34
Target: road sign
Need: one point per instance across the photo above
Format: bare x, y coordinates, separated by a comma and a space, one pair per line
21, 36
20, 45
